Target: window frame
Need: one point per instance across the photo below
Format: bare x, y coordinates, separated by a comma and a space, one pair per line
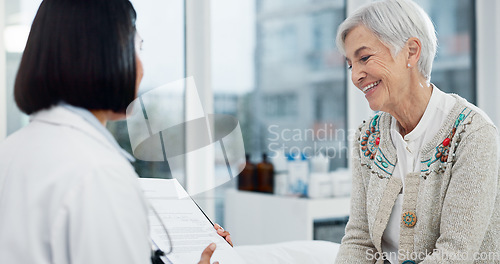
487, 64
3, 77
198, 63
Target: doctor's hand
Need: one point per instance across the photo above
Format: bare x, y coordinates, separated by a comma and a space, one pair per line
207, 254
223, 233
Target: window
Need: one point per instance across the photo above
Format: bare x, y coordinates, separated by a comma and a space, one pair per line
278, 62
160, 24
454, 69
18, 18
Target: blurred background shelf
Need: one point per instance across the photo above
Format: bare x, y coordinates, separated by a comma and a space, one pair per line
258, 218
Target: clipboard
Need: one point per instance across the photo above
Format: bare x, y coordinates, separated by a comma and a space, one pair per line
190, 228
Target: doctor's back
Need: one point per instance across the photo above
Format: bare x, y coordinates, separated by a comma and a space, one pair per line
66, 196
68, 193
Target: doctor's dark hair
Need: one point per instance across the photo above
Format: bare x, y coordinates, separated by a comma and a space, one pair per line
81, 52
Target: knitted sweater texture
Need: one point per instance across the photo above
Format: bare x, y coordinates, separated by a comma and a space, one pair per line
455, 198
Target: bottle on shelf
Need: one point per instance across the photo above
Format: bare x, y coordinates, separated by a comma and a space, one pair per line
320, 182
265, 175
279, 161
298, 174
246, 179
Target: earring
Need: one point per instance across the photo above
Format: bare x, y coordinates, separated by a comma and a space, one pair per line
409, 65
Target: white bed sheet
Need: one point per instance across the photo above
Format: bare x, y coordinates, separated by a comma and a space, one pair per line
294, 252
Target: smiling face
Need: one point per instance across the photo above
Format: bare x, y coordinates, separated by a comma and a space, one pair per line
384, 79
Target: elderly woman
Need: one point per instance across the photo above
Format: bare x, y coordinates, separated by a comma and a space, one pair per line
425, 169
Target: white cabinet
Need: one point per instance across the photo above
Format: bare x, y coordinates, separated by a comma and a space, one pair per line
257, 218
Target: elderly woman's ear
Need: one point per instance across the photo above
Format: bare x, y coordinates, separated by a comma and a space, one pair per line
414, 47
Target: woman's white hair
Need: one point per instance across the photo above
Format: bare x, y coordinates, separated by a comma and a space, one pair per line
394, 22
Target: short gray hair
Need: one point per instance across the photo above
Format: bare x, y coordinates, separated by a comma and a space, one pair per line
394, 22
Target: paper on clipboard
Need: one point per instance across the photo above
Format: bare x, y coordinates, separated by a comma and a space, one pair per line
190, 230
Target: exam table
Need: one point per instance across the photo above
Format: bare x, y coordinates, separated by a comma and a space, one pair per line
294, 252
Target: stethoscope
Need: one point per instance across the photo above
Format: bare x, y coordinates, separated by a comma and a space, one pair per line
156, 252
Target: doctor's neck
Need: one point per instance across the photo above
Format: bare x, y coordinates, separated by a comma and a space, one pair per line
107, 115
100, 115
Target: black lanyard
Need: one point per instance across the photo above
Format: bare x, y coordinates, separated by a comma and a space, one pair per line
156, 257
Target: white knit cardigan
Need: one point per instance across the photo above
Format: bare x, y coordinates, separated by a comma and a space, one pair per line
455, 197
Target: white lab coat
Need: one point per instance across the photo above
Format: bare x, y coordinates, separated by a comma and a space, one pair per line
68, 196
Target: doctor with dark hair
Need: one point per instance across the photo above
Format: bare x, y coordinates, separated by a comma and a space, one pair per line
68, 193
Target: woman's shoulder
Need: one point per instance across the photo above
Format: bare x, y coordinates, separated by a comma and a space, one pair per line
377, 121
472, 117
